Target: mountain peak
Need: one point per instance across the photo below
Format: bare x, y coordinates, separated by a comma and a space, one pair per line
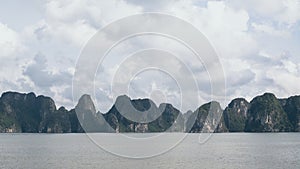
269, 94
21, 112
121, 97
85, 103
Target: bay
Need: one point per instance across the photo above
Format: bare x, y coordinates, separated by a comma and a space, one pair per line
223, 150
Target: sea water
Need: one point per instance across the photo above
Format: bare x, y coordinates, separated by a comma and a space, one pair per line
224, 150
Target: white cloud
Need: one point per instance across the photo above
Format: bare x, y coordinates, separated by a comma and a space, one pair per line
290, 66
271, 31
290, 13
286, 81
61, 95
60, 34
42, 77
227, 28
12, 63
10, 42
249, 37
76, 21
281, 11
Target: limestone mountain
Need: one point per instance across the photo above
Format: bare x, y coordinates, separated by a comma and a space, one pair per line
30, 113
207, 118
89, 118
235, 115
171, 120
267, 115
24, 112
142, 115
56, 122
292, 108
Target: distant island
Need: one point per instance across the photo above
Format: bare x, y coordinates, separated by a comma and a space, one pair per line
28, 113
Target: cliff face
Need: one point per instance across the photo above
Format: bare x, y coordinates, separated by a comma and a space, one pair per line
24, 112
235, 115
292, 108
142, 115
128, 115
75, 124
171, 120
56, 122
8, 120
31, 113
88, 118
267, 115
207, 118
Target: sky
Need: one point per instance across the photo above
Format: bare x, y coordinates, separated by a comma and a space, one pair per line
257, 43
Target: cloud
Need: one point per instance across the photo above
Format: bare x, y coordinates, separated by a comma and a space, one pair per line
223, 25
267, 29
43, 78
281, 11
257, 42
286, 82
74, 33
66, 27
52, 82
10, 42
290, 13
77, 21
240, 78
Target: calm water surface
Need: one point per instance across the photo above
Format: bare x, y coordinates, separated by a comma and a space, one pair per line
228, 150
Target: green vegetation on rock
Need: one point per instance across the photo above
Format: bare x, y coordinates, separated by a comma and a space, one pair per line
235, 115
267, 115
30, 113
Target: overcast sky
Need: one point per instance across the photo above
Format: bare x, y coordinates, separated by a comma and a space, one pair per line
257, 42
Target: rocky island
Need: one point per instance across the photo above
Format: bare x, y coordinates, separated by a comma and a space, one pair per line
28, 113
